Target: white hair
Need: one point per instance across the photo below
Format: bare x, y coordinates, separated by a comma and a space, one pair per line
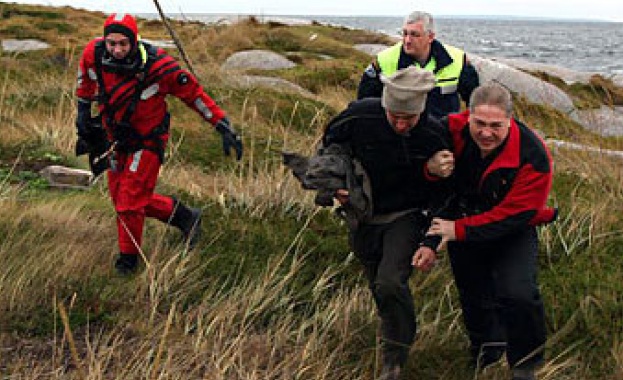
418, 16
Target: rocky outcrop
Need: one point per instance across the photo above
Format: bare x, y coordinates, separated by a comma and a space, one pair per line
249, 81
165, 44
23, 45
584, 148
517, 81
262, 60
567, 75
370, 49
66, 178
605, 121
617, 79
257, 59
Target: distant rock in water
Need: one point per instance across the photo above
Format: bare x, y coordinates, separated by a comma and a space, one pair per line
23, 45
257, 59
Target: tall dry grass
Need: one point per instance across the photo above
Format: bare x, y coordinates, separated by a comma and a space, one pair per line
178, 320
257, 329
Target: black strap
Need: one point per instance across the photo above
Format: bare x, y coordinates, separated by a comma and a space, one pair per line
153, 136
143, 78
138, 90
104, 97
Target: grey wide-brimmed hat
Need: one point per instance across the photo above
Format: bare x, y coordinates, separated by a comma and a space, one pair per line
405, 90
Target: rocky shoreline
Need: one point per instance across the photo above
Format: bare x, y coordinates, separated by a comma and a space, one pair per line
512, 73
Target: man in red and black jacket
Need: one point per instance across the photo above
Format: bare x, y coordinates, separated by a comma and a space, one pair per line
129, 80
502, 179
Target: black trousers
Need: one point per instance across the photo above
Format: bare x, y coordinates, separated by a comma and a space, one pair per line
499, 294
386, 250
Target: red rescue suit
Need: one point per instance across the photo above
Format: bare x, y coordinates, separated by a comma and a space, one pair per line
136, 101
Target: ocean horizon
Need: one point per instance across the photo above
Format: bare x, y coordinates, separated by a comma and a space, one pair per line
582, 45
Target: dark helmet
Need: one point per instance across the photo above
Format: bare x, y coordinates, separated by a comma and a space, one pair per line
124, 24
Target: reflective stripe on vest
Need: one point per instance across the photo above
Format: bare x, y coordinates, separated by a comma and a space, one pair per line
447, 79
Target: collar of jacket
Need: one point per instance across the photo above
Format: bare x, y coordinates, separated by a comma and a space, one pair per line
509, 157
437, 51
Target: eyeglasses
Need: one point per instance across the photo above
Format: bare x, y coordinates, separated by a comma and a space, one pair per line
413, 33
122, 43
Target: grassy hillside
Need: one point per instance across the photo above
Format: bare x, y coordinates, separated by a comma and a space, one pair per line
272, 291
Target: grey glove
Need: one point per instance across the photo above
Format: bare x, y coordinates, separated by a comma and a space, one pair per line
230, 138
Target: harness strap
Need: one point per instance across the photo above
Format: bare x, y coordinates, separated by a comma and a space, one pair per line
128, 139
104, 97
132, 141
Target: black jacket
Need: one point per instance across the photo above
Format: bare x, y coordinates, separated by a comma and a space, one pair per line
393, 163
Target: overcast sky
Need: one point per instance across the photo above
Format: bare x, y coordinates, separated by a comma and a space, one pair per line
611, 10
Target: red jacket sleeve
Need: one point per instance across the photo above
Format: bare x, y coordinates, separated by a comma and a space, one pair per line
86, 88
524, 203
183, 85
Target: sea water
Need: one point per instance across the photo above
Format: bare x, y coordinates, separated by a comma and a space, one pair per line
589, 46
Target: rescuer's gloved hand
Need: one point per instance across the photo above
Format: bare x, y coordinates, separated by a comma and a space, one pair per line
230, 138
83, 117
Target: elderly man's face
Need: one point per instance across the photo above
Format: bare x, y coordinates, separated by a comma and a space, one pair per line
489, 126
416, 40
118, 45
401, 122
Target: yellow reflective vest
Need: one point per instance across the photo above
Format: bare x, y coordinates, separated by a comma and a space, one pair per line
446, 78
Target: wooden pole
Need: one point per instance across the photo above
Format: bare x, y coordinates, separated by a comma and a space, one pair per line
176, 40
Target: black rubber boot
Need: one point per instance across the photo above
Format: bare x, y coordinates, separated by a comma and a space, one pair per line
394, 359
390, 372
188, 220
523, 374
126, 264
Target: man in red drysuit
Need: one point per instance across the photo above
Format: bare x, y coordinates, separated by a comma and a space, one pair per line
130, 79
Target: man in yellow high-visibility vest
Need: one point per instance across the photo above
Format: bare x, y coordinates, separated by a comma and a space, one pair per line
454, 74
